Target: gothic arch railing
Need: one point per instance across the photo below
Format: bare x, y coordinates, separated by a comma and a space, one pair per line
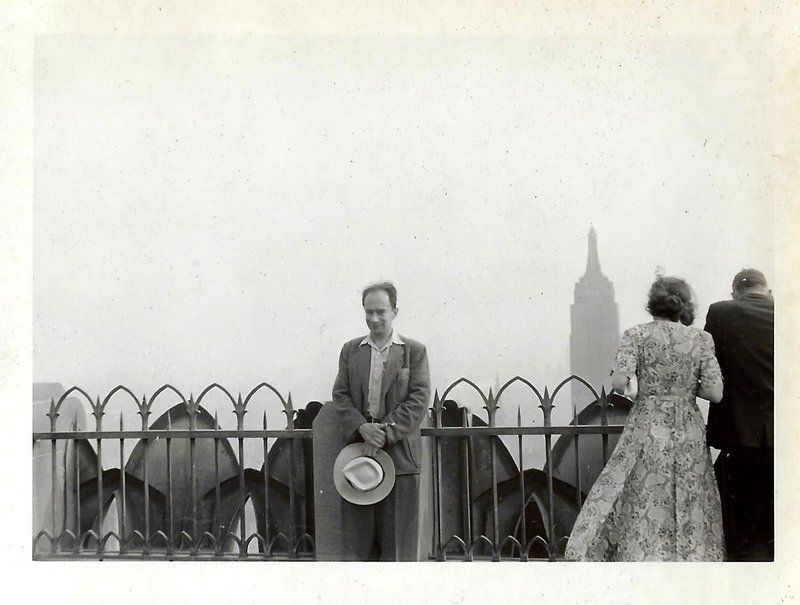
180, 467
178, 485
521, 513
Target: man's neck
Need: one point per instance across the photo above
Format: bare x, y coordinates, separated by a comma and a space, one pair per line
380, 341
753, 292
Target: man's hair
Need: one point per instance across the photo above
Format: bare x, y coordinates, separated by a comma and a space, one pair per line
385, 286
746, 279
671, 298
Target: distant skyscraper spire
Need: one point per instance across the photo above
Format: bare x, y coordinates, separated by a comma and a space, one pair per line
594, 335
593, 260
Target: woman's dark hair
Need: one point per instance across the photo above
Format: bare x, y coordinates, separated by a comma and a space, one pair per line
671, 298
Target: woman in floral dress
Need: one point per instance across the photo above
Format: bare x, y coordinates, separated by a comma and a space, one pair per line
657, 498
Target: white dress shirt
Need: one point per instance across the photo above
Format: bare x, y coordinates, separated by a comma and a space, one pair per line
377, 365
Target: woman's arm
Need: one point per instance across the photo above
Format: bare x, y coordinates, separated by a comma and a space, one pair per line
712, 392
619, 382
710, 384
625, 363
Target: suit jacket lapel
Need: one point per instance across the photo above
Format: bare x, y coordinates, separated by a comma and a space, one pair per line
363, 358
392, 366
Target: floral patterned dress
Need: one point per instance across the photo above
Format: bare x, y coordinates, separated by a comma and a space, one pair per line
657, 498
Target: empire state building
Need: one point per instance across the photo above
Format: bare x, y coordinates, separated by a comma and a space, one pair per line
594, 334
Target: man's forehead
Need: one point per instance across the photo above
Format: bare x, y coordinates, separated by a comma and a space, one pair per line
377, 300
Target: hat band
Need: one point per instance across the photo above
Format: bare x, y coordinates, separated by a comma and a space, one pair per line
355, 487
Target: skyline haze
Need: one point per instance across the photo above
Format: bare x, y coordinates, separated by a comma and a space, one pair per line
199, 219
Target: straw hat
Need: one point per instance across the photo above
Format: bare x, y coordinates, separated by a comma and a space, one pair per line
362, 479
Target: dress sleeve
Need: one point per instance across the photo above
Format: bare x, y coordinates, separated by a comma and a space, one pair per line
710, 373
625, 363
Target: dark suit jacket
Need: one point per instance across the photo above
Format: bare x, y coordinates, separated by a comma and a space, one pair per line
405, 390
743, 332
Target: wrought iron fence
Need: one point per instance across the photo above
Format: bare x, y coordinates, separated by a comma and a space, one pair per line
183, 490
527, 513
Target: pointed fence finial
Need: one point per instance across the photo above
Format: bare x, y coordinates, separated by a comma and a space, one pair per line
546, 406
98, 411
239, 409
144, 411
289, 411
437, 409
491, 407
193, 409
603, 402
53, 415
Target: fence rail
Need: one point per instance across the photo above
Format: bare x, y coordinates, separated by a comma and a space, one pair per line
184, 490
527, 512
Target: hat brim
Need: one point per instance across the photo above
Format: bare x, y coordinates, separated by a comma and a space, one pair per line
351, 494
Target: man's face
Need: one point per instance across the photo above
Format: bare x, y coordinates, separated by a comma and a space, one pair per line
379, 314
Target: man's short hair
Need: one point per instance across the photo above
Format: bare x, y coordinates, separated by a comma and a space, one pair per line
747, 279
385, 286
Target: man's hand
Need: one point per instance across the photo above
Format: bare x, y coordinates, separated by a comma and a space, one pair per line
369, 450
374, 437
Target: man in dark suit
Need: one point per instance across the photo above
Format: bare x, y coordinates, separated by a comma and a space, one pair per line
741, 424
381, 395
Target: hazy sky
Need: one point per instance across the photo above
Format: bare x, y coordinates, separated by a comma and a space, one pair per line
209, 208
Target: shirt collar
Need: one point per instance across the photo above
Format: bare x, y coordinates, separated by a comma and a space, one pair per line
394, 340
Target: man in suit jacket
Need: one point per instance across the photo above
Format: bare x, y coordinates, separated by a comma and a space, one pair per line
381, 395
741, 424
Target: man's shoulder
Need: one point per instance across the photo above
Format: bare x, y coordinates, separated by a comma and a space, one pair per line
410, 342
723, 310
353, 343
721, 306
746, 304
